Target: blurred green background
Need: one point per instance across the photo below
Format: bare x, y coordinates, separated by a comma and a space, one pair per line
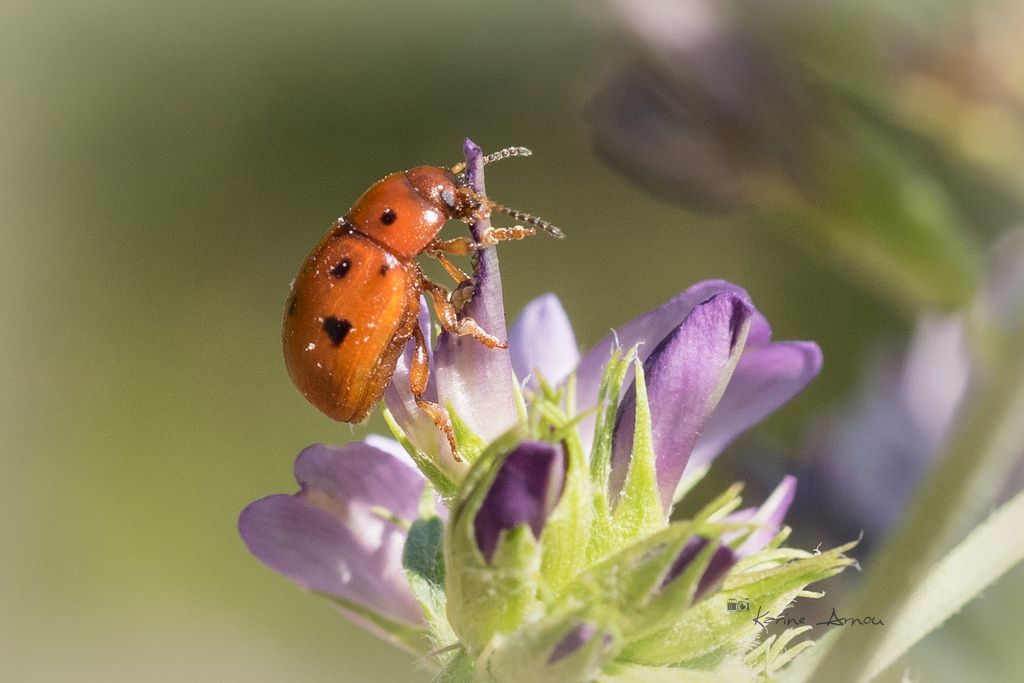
165, 168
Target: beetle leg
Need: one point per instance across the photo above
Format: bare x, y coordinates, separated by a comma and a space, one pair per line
457, 273
419, 373
463, 246
495, 235
452, 323
460, 246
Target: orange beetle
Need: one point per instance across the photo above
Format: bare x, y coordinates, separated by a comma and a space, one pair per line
355, 302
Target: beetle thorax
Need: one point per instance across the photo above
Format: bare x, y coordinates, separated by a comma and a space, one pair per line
404, 211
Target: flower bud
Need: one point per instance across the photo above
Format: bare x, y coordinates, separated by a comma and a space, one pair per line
492, 553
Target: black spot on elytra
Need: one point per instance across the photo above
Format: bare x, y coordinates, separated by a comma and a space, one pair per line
384, 268
342, 228
341, 270
388, 217
292, 301
337, 329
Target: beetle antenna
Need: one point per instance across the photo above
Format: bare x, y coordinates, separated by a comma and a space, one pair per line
506, 153
528, 218
460, 168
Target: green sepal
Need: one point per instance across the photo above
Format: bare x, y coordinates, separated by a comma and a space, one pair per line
526, 654
723, 504
568, 527
773, 654
729, 671
521, 413
401, 635
626, 581
602, 541
487, 598
423, 560
470, 443
444, 482
458, 669
709, 632
638, 510
674, 598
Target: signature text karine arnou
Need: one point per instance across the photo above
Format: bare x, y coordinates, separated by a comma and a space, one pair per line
763, 619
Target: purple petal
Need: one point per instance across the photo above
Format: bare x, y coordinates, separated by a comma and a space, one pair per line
769, 516
328, 537
391, 447
542, 341
580, 634
474, 380
420, 429
766, 377
395, 450
722, 560
686, 375
525, 490
649, 329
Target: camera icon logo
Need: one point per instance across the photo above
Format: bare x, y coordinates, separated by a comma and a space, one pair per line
738, 605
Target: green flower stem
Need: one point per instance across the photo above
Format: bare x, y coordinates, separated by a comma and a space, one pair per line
980, 449
992, 549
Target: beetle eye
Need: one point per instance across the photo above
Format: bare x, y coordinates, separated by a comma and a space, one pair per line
448, 197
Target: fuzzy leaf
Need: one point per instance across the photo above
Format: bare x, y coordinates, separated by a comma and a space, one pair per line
708, 631
891, 219
423, 560
459, 669
992, 549
629, 579
772, 654
444, 482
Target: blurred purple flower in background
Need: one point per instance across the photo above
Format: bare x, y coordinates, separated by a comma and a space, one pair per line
864, 460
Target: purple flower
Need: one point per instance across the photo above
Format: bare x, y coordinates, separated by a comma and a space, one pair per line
768, 520
525, 491
712, 372
722, 560
336, 535
577, 637
542, 342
